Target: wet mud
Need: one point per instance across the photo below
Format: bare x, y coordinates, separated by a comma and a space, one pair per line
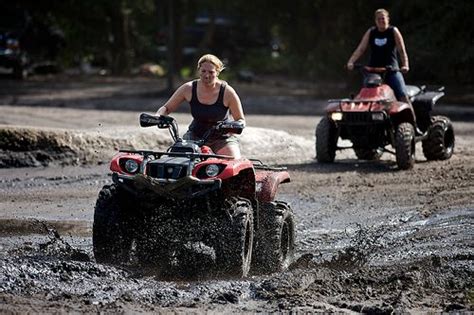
369, 238
418, 264
393, 258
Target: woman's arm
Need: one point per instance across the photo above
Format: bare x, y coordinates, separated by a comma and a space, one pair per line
234, 104
179, 96
360, 50
401, 50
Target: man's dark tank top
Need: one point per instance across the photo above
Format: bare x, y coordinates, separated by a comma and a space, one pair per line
206, 116
383, 48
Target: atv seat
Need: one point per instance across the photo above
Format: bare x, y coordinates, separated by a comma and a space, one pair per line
185, 147
372, 80
413, 90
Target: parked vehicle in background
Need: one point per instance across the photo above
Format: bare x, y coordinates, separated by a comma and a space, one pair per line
224, 36
27, 45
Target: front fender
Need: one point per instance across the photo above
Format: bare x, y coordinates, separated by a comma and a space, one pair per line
402, 112
116, 165
268, 182
230, 168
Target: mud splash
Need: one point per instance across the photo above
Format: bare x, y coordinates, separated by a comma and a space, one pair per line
25, 147
54, 272
11, 227
33, 147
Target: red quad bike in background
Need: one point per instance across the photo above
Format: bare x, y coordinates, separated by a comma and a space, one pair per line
375, 119
162, 204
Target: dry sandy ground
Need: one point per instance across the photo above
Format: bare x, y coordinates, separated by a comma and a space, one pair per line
370, 238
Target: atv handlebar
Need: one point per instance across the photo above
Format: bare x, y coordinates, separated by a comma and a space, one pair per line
163, 122
387, 68
147, 120
235, 127
222, 128
381, 69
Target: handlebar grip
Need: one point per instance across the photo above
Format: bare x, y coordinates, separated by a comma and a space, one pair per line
147, 120
235, 127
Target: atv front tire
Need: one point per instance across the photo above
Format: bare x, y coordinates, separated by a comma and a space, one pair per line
276, 241
112, 234
440, 142
234, 245
405, 146
151, 249
326, 141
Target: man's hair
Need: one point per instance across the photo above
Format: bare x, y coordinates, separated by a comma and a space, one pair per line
212, 59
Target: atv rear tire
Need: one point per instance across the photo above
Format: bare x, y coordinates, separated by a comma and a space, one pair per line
440, 142
276, 241
234, 244
112, 232
405, 146
368, 154
326, 141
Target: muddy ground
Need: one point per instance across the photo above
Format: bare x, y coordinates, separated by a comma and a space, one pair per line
370, 238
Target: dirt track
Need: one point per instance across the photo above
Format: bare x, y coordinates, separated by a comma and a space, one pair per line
370, 238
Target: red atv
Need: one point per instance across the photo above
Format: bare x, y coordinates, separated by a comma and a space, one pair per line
161, 205
375, 119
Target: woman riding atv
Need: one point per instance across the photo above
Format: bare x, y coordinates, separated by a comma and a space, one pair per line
210, 100
384, 41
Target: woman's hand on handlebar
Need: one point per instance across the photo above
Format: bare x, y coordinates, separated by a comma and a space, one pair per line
352, 66
162, 111
387, 68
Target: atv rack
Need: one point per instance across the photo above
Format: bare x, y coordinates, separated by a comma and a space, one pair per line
257, 164
158, 154
358, 101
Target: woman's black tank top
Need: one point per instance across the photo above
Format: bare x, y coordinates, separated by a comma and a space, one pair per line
383, 50
206, 116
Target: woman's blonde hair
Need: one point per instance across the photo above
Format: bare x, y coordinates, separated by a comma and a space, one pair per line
381, 11
212, 59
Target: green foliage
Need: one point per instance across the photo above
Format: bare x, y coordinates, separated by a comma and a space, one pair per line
186, 72
439, 40
316, 37
263, 61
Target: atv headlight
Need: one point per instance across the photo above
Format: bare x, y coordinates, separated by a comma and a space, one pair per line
336, 116
131, 166
212, 170
378, 116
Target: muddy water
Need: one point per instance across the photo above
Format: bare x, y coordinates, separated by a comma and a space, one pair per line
392, 263
369, 238
356, 250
